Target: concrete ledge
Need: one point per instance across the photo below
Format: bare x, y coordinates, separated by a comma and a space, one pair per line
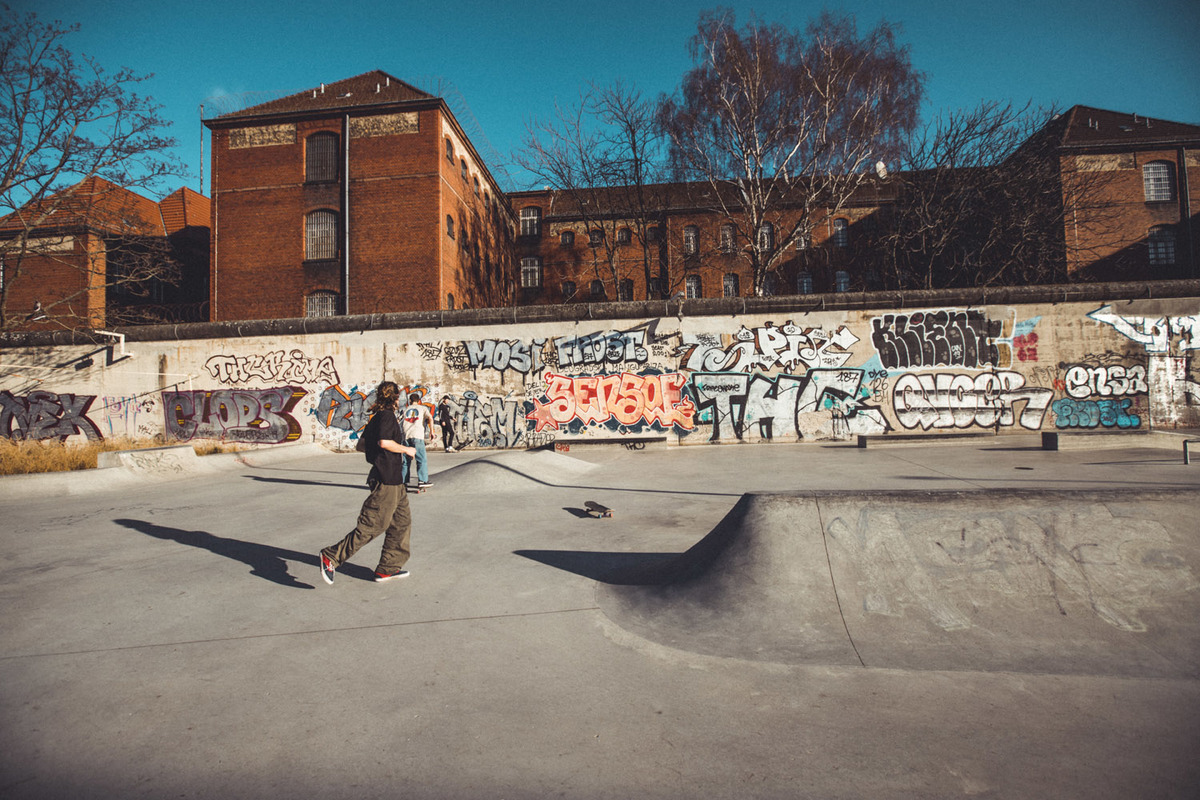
629, 442
174, 458
1108, 440
878, 439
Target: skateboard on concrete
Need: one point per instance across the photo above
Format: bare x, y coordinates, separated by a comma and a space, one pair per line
596, 510
416, 489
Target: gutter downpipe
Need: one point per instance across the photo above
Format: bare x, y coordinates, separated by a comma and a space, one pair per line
346, 214
1185, 209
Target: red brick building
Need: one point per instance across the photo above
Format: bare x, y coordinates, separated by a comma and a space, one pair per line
97, 254
354, 197
1144, 224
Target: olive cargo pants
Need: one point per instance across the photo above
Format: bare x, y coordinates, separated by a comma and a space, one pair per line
384, 511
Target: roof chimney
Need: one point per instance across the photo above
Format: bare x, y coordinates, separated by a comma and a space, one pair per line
322, 88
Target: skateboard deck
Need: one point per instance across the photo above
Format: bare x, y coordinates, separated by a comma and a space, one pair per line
416, 489
597, 510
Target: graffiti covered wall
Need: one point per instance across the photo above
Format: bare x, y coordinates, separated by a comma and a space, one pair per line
808, 376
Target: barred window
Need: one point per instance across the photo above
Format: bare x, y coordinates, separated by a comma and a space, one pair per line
568, 289
321, 158
691, 286
841, 281
449, 150
624, 236
320, 235
625, 290
804, 283
531, 221
597, 290
727, 238
531, 272
730, 285
841, 233
691, 240
463, 167
766, 237
595, 237
321, 304
802, 240
1162, 246
450, 226
567, 238
1158, 181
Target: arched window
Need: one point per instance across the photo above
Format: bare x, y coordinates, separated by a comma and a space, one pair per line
727, 238
321, 158
321, 304
449, 150
691, 240
1158, 181
595, 237
463, 167
625, 290
1162, 246
531, 272
766, 237
568, 289
450, 226
450, 296
531, 221
841, 233
730, 285
804, 283
597, 290
320, 235
567, 238
691, 286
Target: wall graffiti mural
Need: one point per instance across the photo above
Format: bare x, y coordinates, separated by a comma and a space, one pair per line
344, 409
1082, 380
127, 416
736, 404
624, 400
940, 339
1069, 413
1153, 333
986, 400
235, 415
602, 348
491, 422
278, 366
503, 355
41, 415
786, 347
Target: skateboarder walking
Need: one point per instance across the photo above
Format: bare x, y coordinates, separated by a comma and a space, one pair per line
386, 508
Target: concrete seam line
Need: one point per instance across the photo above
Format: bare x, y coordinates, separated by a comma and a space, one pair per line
833, 582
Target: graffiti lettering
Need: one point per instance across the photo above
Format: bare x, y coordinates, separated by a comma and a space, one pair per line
1084, 381
1153, 333
734, 403
960, 401
625, 399
46, 415
275, 367
493, 422
769, 347
602, 348
1070, 413
344, 410
937, 339
503, 355
235, 415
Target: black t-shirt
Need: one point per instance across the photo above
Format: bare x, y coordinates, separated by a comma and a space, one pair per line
386, 466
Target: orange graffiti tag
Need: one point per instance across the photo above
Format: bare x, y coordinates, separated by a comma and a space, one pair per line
627, 398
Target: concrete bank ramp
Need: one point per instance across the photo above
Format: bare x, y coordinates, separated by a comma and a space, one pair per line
513, 470
1097, 583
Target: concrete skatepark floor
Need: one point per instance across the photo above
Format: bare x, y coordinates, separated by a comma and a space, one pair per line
171, 636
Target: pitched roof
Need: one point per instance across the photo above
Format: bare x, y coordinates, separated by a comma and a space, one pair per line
371, 88
1085, 126
185, 208
95, 202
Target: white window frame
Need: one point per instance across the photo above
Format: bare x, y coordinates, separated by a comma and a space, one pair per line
841, 232
531, 272
1158, 181
691, 240
692, 287
730, 285
531, 221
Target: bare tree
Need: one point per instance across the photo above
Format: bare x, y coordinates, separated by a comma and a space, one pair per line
782, 128
982, 199
73, 138
604, 160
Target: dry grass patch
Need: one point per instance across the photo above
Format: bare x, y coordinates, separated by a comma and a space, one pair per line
23, 457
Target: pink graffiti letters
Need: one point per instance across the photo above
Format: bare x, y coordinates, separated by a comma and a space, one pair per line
625, 398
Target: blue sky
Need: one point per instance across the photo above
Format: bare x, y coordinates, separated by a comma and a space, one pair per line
512, 61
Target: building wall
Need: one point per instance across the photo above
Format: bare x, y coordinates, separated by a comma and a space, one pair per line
60, 268
785, 376
1110, 242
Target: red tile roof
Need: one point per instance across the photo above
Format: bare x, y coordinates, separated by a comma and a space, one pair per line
95, 202
371, 88
185, 208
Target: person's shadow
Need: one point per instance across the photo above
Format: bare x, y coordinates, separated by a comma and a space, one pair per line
265, 561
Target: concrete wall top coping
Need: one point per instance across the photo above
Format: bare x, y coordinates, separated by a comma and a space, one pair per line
640, 309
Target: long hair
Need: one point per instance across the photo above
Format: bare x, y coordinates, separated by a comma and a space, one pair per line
387, 397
